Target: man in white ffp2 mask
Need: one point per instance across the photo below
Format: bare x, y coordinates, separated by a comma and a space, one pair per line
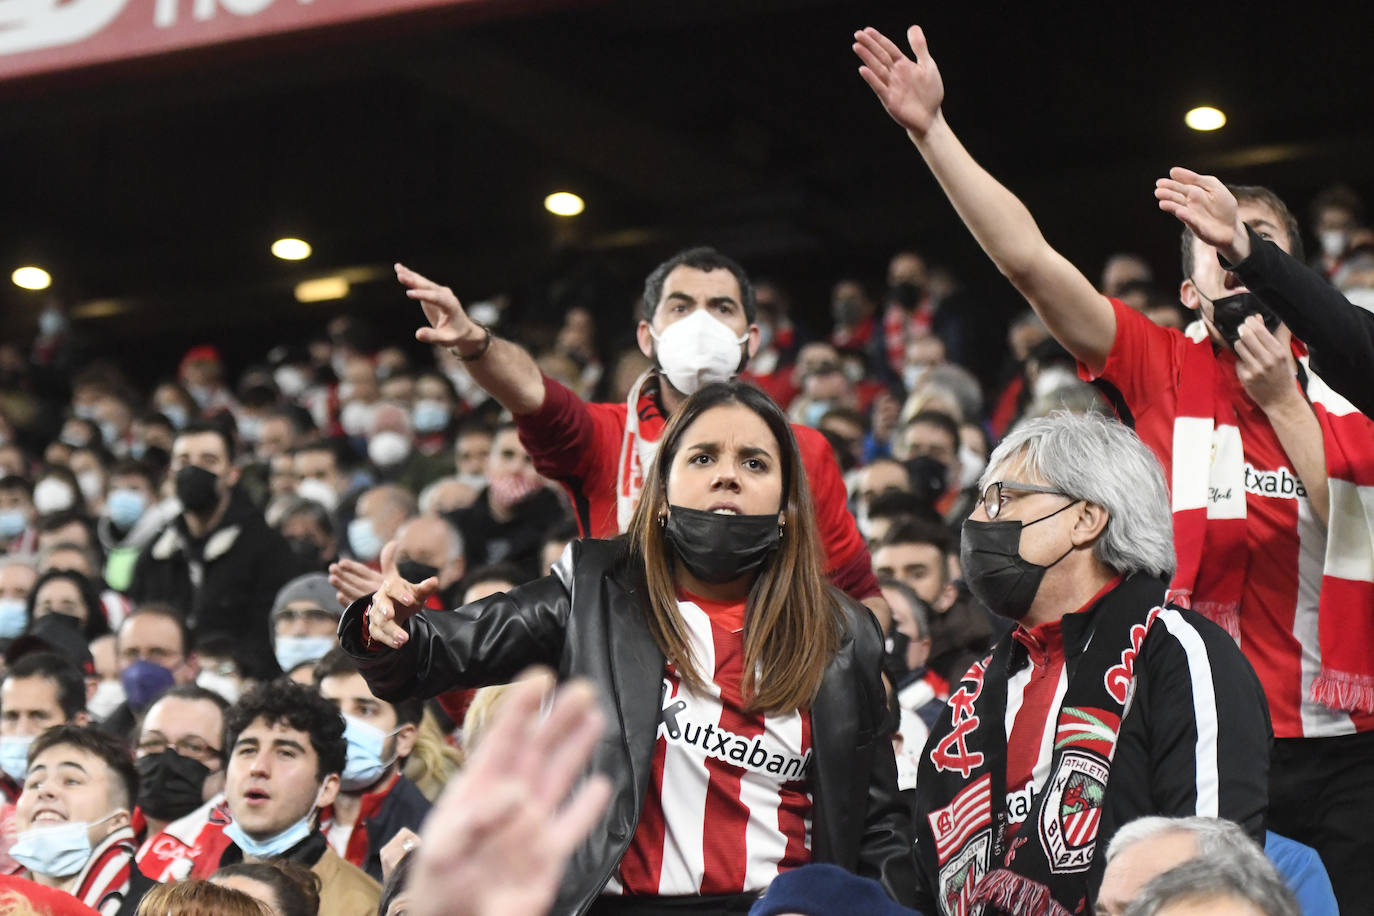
698, 326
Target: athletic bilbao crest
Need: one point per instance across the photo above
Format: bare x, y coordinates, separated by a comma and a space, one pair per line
961, 875
1073, 812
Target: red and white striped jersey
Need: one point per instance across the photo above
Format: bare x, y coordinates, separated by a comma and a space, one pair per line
729, 805
188, 847
1034, 695
1285, 540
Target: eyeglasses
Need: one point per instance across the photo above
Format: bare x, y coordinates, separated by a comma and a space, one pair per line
190, 746
992, 496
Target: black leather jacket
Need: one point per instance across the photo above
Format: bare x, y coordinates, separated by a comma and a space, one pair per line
586, 620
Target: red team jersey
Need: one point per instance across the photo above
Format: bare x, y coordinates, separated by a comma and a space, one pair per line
729, 805
1285, 541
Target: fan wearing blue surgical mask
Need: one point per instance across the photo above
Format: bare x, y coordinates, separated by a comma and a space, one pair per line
73, 818
304, 617
40, 690
375, 801
286, 753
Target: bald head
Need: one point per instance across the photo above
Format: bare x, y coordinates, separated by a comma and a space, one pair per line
433, 542
388, 506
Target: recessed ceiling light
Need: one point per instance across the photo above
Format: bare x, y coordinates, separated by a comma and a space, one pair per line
564, 203
1205, 118
291, 249
321, 289
32, 278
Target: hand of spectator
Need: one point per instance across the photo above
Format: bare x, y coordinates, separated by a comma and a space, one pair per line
910, 90
397, 848
1204, 205
1265, 364
352, 580
395, 601
500, 835
449, 325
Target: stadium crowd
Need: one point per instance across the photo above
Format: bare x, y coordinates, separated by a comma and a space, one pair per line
1096, 637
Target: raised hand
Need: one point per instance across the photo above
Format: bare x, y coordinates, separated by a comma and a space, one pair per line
499, 837
449, 324
1265, 365
1204, 205
396, 601
910, 90
352, 580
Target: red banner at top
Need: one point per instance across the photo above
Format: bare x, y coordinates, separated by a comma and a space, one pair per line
38, 36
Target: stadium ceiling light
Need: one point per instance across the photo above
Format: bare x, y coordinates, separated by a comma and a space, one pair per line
291, 249
322, 289
31, 278
1205, 118
564, 203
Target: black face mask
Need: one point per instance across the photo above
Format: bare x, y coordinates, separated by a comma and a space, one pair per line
907, 295
721, 548
1230, 312
307, 552
994, 570
197, 488
929, 477
894, 658
169, 784
416, 572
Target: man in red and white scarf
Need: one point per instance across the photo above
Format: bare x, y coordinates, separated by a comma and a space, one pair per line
698, 325
74, 819
1259, 454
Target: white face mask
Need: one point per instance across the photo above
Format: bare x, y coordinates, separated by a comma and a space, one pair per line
52, 495
225, 685
1050, 380
971, 466
387, 449
1333, 242
92, 484
318, 491
356, 417
698, 350
109, 693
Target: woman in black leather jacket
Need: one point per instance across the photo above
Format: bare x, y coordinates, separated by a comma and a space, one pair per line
747, 720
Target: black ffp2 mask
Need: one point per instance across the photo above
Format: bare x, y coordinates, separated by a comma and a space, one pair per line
721, 548
994, 570
197, 489
1230, 312
170, 784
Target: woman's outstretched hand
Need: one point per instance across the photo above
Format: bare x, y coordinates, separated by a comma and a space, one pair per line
395, 602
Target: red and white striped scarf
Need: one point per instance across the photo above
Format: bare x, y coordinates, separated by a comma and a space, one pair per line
104, 882
1208, 491
644, 422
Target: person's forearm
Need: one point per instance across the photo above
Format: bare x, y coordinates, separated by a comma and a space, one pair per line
1301, 437
1340, 334
507, 372
1076, 314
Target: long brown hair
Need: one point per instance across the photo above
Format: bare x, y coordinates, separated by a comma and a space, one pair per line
792, 624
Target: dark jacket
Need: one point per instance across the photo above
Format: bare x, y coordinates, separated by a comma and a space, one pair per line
401, 806
587, 620
1339, 334
224, 582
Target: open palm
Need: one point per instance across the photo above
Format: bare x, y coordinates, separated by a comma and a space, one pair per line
910, 90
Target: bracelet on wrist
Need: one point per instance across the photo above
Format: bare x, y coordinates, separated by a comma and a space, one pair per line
481, 348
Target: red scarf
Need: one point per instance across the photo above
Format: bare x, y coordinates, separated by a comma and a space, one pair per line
644, 422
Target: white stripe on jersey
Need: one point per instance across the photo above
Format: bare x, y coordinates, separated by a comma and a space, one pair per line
685, 780
1204, 710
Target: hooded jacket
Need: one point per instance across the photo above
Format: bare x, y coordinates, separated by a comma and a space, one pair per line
587, 619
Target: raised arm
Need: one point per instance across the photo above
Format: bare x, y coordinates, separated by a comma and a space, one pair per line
504, 369
1076, 314
1339, 333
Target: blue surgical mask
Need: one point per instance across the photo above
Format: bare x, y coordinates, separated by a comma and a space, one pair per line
273, 846
175, 414
297, 650
125, 507
429, 416
144, 682
14, 756
57, 850
365, 746
12, 523
14, 614
363, 539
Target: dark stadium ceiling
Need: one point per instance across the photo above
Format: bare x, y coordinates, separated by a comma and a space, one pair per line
152, 191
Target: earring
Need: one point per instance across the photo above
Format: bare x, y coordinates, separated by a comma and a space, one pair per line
662, 519
780, 532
